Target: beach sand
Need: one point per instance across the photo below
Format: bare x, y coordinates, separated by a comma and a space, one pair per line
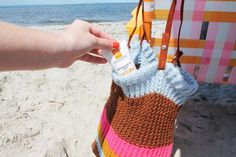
55, 112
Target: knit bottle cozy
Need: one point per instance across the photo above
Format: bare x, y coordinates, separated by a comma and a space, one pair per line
139, 117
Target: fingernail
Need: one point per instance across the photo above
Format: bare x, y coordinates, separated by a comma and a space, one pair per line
116, 45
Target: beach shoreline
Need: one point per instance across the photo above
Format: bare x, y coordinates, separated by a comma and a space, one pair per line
55, 112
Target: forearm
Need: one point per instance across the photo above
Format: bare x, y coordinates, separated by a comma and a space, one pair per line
26, 49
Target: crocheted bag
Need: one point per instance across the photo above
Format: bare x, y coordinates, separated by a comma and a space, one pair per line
139, 116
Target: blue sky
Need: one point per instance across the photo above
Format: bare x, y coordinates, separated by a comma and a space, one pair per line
36, 2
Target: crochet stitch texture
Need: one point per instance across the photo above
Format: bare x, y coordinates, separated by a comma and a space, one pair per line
139, 117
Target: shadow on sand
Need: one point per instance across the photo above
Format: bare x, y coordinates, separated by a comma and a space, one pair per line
206, 124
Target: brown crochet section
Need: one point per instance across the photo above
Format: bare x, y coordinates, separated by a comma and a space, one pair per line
147, 121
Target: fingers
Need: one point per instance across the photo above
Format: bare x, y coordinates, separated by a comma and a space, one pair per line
101, 39
104, 44
93, 59
96, 52
98, 33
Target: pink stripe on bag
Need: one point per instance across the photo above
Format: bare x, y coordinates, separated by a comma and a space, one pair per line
105, 126
123, 148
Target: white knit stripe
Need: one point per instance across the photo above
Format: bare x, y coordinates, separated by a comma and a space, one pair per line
159, 85
173, 83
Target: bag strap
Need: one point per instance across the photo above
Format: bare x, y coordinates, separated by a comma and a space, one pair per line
166, 37
140, 3
179, 53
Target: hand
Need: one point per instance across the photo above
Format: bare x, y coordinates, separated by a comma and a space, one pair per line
82, 41
28, 49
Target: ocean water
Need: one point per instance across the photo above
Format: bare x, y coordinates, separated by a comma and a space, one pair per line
65, 14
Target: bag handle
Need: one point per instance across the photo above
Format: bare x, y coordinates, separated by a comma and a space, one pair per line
166, 37
140, 3
179, 53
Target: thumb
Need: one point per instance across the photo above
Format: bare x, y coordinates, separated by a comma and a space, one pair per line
104, 44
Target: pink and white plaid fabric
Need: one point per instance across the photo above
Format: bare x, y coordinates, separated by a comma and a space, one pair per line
208, 37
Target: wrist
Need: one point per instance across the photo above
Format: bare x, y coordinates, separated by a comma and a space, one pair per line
64, 55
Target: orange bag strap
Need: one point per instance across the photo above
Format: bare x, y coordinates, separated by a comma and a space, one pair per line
136, 22
166, 37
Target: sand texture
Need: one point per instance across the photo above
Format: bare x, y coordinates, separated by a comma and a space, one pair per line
55, 112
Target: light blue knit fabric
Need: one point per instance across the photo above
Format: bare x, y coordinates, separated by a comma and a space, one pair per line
173, 82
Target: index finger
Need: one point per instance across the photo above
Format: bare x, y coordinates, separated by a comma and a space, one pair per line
98, 33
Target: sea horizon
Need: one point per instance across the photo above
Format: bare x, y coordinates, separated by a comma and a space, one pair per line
33, 5
62, 14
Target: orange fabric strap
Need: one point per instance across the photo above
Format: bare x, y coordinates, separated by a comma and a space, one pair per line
136, 22
166, 37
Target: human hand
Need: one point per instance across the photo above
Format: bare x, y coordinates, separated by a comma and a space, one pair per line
28, 49
82, 41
